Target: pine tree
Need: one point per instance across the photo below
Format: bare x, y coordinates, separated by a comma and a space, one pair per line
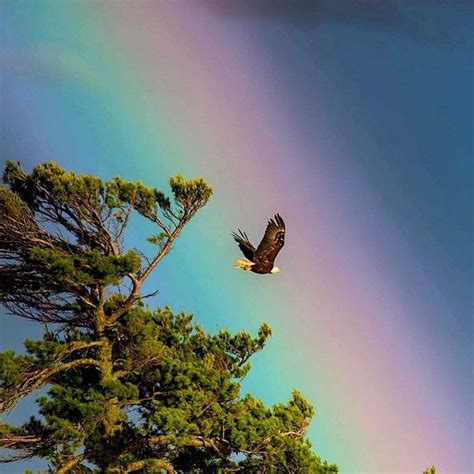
129, 388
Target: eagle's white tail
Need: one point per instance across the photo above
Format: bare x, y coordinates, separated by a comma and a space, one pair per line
244, 264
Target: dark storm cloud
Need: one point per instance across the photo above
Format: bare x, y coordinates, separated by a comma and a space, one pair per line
426, 23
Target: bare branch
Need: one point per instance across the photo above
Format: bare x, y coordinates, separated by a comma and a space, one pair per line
18, 441
164, 250
31, 381
26, 445
137, 281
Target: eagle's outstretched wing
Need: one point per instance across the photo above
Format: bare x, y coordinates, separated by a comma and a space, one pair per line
244, 244
273, 240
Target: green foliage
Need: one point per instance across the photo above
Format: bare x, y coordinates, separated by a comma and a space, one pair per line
89, 207
11, 203
129, 389
10, 369
85, 268
157, 239
178, 386
430, 470
188, 193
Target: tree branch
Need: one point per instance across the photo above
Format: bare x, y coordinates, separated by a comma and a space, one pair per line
73, 462
220, 446
157, 465
34, 380
18, 441
164, 250
137, 282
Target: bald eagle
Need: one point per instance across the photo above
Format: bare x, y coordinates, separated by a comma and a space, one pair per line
261, 259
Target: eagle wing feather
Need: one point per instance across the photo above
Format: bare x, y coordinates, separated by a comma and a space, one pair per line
273, 240
244, 244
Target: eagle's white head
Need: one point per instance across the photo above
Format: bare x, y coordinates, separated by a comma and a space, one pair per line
275, 270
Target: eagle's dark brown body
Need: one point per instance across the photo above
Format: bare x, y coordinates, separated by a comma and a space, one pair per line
261, 259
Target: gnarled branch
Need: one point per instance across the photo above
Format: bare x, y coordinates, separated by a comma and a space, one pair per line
152, 465
36, 379
70, 464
